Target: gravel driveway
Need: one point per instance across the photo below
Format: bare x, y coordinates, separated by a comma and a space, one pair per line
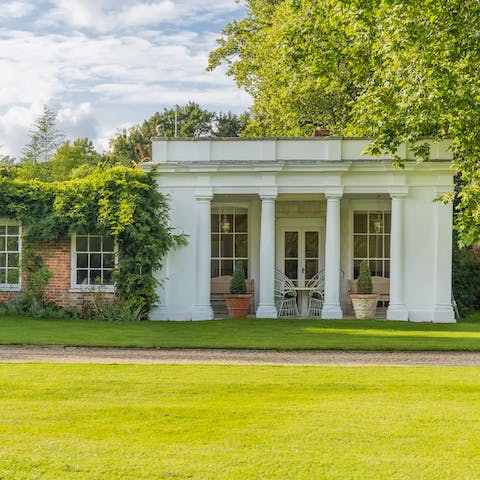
59, 354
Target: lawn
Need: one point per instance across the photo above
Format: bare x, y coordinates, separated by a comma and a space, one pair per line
280, 334
238, 422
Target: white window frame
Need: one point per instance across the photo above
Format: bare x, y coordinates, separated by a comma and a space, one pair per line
371, 211
74, 287
219, 209
15, 287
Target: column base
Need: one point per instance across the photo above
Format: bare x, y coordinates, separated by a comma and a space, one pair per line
266, 311
202, 312
159, 313
397, 312
443, 314
331, 312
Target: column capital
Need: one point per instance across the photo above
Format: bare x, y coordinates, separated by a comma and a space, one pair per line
268, 194
334, 193
205, 195
399, 193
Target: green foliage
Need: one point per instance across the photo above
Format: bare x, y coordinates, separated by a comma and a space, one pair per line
466, 267
134, 145
44, 138
119, 201
364, 282
395, 71
238, 284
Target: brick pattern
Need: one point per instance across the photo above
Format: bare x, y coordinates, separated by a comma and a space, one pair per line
57, 257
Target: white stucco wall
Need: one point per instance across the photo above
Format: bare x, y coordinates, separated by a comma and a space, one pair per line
301, 172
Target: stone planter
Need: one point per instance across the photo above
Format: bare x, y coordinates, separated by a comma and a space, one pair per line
364, 305
238, 305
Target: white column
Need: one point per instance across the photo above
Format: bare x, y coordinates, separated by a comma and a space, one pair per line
266, 307
202, 309
442, 309
396, 308
331, 306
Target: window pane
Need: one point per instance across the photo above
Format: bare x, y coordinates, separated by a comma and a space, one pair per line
108, 244
375, 246
245, 266
12, 244
291, 245
386, 271
3, 229
227, 267
95, 277
376, 268
241, 245
13, 260
2, 244
3, 276
95, 260
108, 260
388, 218
95, 244
215, 245
3, 259
12, 230
227, 246
82, 260
241, 223
360, 246
291, 269
386, 252
215, 268
360, 223
356, 268
311, 268
215, 223
311, 244
375, 222
82, 244
226, 223
13, 276
107, 277
82, 277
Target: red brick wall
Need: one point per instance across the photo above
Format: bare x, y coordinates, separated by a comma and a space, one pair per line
56, 256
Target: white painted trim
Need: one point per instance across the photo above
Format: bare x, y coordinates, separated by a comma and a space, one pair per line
16, 287
74, 287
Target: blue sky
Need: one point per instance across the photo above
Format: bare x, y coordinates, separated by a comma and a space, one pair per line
107, 64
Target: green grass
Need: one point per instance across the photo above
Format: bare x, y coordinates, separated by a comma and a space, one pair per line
238, 422
281, 334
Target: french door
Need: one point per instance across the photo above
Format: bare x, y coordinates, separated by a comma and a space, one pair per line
299, 251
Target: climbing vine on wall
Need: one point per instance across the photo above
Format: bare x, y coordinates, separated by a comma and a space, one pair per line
119, 201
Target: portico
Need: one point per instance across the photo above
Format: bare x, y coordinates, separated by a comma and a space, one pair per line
301, 206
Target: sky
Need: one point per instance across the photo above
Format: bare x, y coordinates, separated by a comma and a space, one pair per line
104, 65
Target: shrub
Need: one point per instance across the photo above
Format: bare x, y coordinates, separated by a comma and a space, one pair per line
238, 284
364, 281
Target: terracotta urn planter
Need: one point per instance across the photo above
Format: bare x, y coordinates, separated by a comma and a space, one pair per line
238, 305
364, 305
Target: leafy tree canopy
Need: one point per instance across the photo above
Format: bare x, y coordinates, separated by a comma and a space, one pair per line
395, 71
134, 145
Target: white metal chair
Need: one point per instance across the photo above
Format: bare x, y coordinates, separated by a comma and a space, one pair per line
285, 296
317, 284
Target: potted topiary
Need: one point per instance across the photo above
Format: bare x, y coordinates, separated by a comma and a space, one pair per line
238, 301
364, 301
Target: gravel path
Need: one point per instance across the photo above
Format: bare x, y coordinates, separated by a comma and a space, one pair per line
59, 354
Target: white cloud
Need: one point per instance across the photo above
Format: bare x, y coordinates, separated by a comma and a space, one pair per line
105, 65
108, 15
15, 9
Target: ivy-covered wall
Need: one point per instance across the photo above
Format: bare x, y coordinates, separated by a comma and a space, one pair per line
119, 201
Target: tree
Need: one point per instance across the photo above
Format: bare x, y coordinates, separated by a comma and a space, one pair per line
395, 71
44, 138
133, 145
